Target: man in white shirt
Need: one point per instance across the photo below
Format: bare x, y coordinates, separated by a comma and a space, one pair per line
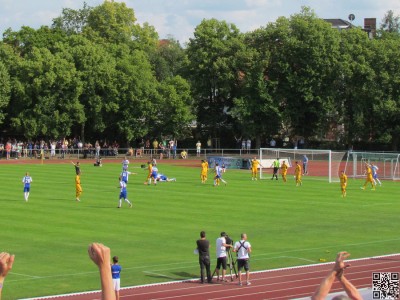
243, 249
221, 246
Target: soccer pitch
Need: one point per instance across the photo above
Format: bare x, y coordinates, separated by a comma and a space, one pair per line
286, 225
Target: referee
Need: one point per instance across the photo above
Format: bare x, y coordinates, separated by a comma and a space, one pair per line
276, 166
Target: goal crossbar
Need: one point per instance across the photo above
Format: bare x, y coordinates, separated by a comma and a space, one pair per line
324, 163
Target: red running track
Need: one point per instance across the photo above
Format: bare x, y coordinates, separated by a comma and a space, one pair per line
288, 283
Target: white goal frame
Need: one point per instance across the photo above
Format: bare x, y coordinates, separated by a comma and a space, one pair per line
333, 159
387, 163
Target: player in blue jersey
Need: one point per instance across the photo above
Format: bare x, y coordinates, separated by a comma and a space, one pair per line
125, 175
375, 178
123, 193
125, 164
218, 175
163, 178
27, 185
153, 176
116, 276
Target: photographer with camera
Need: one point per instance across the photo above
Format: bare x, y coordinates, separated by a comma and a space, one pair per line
243, 249
221, 249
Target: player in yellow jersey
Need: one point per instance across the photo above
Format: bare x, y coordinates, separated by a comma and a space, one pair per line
204, 171
284, 169
297, 172
78, 188
343, 183
254, 168
369, 179
149, 168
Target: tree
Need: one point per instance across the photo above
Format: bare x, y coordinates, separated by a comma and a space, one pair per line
46, 98
5, 89
390, 22
255, 109
113, 21
386, 103
355, 93
213, 72
96, 69
174, 108
304, 59
72, 21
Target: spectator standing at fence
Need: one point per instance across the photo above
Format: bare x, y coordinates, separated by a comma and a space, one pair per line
97, 148
53, 149
248, 145
8, 150
272, 143
155, 147
198, 148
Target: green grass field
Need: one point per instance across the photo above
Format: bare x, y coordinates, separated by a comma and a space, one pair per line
155, 239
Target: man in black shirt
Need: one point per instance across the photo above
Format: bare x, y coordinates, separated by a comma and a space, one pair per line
203, 247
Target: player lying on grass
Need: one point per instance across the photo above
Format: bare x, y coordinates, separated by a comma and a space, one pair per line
163, 178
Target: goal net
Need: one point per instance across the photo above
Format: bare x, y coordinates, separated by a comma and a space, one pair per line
387, 163
323, 163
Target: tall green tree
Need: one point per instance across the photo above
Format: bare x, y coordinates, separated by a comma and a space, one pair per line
390, 22
355, 93
304, 65
46, 98
72, 21
5, 89
213, 72
256, 111
385, 121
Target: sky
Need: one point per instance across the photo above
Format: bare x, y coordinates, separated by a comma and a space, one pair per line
179, 18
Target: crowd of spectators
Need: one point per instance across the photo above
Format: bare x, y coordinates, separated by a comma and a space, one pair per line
13, 148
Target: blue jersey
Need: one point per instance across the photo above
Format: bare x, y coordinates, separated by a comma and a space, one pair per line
218, 171
125, 164
116, 271
27, 181
154, 172
374, 172
162, 177
125, 176
123, 193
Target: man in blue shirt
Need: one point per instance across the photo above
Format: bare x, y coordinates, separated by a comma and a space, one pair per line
305, 164
116, 276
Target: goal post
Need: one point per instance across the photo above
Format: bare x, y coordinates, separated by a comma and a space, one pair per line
323, 163
387, 163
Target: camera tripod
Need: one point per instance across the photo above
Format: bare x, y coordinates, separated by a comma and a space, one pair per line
231, 263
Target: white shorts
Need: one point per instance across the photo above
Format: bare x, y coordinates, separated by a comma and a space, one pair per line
117, 284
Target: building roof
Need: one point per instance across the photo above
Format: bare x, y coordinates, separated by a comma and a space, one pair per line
339, 23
